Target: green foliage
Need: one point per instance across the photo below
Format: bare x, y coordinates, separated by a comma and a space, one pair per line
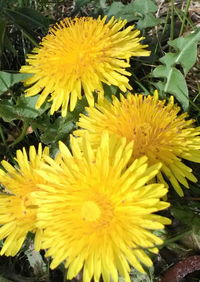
7, 112
118, 9
141, 11
59, 128
7, 80
20, 107
147, 19
184, 56
187, 215
25, 107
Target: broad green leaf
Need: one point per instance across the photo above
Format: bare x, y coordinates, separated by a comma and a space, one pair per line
185, 55
136, 10
186, 48
149, 20
126, 12
9, 79
186, 215
175, 84
115, 8
7, 111
147, 9
25, 107
144, 7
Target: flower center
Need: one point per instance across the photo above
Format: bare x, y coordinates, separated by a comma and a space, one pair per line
90, 211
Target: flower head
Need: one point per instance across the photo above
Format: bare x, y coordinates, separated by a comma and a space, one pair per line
97, 213
156, 128
78, 54
17, 211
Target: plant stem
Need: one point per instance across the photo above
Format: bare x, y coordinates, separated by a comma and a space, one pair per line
2, 136
181, 18
22, 134
166, 23
172, 22
185, 16
176, 238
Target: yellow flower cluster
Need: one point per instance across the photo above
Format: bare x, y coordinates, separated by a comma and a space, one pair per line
91, 208
94, 206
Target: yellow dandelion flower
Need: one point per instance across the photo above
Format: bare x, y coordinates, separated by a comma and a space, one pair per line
17, 211
97, 214
78, 54
157, 129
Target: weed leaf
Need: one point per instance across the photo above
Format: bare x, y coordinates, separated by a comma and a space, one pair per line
136, 10
184, 56
9, 79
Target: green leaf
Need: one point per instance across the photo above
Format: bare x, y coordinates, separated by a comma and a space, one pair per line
80, 107
175, 85
25, 107
7, 111
9, 79
120, 10
59, 129
136, 10
149, 20
144, 7
186, 215
147, 9
186, 48
110, 90
185, 56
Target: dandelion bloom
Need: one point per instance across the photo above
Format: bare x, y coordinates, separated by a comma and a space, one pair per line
17, 211
79, 54
157, 129
97, 213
